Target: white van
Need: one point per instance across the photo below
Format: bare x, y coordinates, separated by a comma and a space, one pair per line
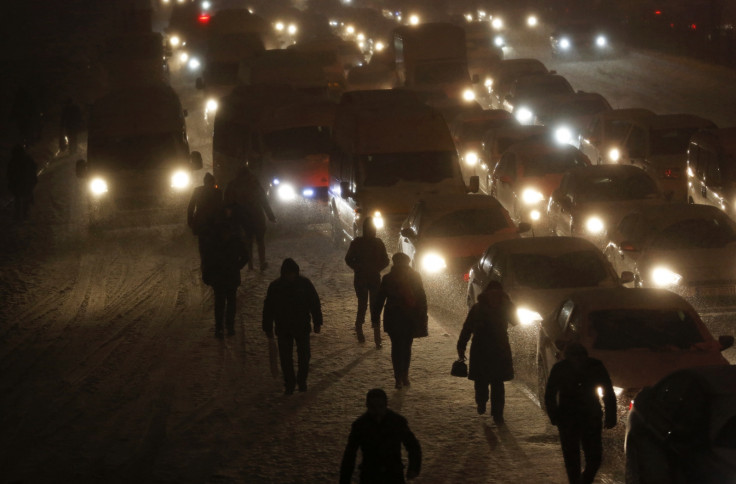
711, 169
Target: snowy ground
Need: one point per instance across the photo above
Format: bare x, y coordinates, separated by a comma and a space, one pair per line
110, 371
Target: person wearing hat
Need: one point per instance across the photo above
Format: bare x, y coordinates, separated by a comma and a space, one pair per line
405, 311
205, 207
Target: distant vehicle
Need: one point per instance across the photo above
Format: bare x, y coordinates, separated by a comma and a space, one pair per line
484, 48
186, 32
681, 429
526, 94
135, 59
581, 39
495, 143
527, 174
537, 272
640, 336
304, 71
601, 137
680, 247
569, 115
505, 72
658, 145
591, 201
138, 155
711, 169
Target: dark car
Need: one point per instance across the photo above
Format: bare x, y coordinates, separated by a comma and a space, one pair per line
683, 428
581, 39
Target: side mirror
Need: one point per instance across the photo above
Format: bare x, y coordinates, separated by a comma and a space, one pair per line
476, 79
474, 184
627, 277
345, 190
81, 169
199, 83
196, 160
408, 233
524, 227
726, 341
627, 246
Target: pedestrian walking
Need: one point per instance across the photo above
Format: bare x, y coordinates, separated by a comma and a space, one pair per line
224, 254
379, 434
367, 257
291, 304
71, 125
404, 314
572, 402
22, 178
205, 207
490, 353
246, 194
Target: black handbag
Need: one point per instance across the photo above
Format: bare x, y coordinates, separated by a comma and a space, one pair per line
459, 368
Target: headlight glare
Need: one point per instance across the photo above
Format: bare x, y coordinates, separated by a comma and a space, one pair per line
564, 44
524, 115
194, 64
601, 41
471, 158
661, 276
180, 180
211, 105
594, 225
614, 154
497, 23
530, 196
433, 263
532, 21
563, 135
286, 192
468, 95
378, 220
526, 316
498, 40
535, 215
98, 186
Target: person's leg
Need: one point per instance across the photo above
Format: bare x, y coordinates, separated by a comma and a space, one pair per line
220, 296
592, 450
498, 397
286, 356
361, 292
406, 360
230, 307
395, 358
260, 240
249, 244
481, 395
375, 313
304, 354
570, 442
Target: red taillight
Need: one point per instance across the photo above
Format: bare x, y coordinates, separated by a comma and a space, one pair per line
657, 12
670, 173
203, 18
631, 405
466, 277
693, 26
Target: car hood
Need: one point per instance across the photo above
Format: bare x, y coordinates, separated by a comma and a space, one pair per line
545, 184
612, 212
466, 245
694, 265
399, 198
543, 301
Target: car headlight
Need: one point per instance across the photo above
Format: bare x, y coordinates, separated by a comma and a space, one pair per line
526, 316
98, 186
471, 158
532, 21
286, 192
530, 196
563, 135
433, 263
497, 23
601, 41
194, 64
524, 115
499, 41
183, 57
594, 225
535, 215
564, 44
308, 192
378, 220
616, 390
614, 154
488, 82
174, 40
180, 180
211, 105
468, 95
661, 276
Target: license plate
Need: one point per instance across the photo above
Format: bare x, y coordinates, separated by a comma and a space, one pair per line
715, 291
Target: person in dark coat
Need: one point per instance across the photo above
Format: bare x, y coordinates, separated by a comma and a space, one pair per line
22, 177
572, 403
224, 254
205, 208
379, 434
247, 195
367, 257
71, 125
404, 313
291, 302
490, 353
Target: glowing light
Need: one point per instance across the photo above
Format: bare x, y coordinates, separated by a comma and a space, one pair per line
350, 29
614, 154
378, 220
286, 192
601, 41
471, 158
414, 20
379, 46
98, 186
564, 44
211, 105
279, 26
563, 135
183, 57
204, 18
532, 21
468, 95
524, 115
527, 316
535, 215
194, 63
433, 263
360, 36
497, 23
292, 29
530, 196
206, 5
308, 192
498, 40
661, 276
174, 40
180, 180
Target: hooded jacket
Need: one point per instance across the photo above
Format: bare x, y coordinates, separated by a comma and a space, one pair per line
250, 200
224, 254
405, 300
367, 255
487, 323
291, 303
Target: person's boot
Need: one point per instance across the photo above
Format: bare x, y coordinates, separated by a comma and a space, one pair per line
377, 336
405, 379
359, 333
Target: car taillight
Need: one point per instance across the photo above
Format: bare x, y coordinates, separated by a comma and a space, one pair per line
203, 18
631, 405
670, 173
466, 277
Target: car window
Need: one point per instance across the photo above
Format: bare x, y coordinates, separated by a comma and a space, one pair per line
657, 329
670, 141
616, 129
573, 269
499, 268
637, 142
618, 187
467, 222
553, 163
564, 315
712, 171
697, 160
697, 233
594, 130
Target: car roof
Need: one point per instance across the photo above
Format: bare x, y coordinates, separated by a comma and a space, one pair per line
626, 113
715, 380
536, 146
535, 78
660, 216
485, 115
726, 137
439, 204
666, 121
545, 245
599, 170
624, 298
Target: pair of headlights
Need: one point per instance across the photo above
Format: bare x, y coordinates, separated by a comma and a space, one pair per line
287, 192
180, 180
600, 41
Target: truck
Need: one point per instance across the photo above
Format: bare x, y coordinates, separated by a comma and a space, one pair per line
432, 59
138, 158
388, 151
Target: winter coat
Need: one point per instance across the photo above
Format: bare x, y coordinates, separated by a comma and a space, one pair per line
291, 305
250, 200
204, 208
405, 301
224, 254
22, 175
572, 392
367, 257
380, 443
490, 352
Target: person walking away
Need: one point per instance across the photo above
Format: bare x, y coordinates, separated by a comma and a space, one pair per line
491, 363
22, 178
367, 257
405, 310
71, 125
572, 402
224, 254
250, 201
205, 207
379, 433
291, 303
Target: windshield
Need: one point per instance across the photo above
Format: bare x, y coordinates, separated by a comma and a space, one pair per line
467, 222
582, 108
137, 152
552, 163
385, 170
671, 141
298, 142
221, 73
573, 269
699, 233
544, 86
474, 130
435, 73
660, 329
617, 188
616, 129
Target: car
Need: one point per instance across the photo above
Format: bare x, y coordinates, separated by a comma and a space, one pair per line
581, 39
526, 94
495, 143
680, 247
683, 428
711, 169
527, 174
567, 116
444, 234
606, 130
537, 272
590, 201
639, 335
503, 73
